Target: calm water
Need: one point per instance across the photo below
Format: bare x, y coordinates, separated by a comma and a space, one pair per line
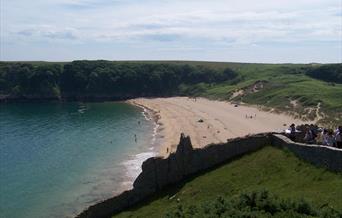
57, 158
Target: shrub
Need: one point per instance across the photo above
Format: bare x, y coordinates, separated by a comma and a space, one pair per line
258, 204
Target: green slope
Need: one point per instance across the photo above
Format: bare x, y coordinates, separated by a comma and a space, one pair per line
282, 84
273, 169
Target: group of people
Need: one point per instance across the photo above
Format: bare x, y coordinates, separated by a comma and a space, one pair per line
250, 116
315, 135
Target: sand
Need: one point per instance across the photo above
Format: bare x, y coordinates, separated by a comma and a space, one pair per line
207, 121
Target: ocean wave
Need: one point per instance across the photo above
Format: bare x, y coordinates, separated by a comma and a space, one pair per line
133, 166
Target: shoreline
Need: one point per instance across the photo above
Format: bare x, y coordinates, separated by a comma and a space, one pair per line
208, 121
158, 132
131, 165
154, 116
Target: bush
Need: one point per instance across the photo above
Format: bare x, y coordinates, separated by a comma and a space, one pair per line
254, 205
330, 73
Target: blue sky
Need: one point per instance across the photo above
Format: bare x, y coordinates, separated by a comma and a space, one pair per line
297, 31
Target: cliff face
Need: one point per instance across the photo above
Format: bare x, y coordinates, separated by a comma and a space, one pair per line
157, 173
320, 156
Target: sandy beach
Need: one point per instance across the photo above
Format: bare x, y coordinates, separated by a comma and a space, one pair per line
207, 121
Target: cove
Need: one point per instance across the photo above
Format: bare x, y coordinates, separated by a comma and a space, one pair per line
58, 158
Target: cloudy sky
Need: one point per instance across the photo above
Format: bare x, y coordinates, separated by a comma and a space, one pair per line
214, 30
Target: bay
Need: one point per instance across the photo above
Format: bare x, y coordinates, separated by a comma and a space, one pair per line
58, 158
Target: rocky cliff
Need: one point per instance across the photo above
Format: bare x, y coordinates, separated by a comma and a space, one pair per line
158, 173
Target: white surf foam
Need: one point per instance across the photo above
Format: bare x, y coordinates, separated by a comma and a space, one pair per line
133, 166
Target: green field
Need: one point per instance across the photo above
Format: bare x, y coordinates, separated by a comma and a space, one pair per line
273, 169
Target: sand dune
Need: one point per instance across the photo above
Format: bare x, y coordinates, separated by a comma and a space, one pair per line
209, 121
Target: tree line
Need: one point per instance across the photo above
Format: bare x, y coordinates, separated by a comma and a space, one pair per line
91, 78
127, 79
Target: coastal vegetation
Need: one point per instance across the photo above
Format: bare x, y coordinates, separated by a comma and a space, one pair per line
309, 91
259, 204
295, 189
91, 78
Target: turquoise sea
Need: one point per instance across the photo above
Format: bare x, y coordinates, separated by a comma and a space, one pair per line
58, 158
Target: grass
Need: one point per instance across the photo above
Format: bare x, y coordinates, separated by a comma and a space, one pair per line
285, 83
270, 168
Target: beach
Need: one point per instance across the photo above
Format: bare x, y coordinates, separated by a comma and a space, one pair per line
207, 121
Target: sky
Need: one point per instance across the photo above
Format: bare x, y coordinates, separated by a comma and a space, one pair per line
263, 31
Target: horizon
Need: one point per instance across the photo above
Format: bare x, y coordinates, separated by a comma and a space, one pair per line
199, 61
298, 32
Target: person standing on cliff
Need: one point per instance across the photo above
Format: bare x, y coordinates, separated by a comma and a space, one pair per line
338, 137
325, 137
293, 132
330, 139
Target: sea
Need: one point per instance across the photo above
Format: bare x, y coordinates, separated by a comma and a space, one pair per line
57, 158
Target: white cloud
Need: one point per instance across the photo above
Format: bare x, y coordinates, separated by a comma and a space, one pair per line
191, 24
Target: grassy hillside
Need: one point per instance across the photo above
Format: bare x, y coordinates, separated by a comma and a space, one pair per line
283, 87
273, 169
310, 91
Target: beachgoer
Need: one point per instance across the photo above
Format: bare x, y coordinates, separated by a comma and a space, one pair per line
135, 138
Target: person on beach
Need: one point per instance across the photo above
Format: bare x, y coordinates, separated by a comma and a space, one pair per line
135, 138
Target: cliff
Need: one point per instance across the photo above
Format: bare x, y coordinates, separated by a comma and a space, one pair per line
158, 173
